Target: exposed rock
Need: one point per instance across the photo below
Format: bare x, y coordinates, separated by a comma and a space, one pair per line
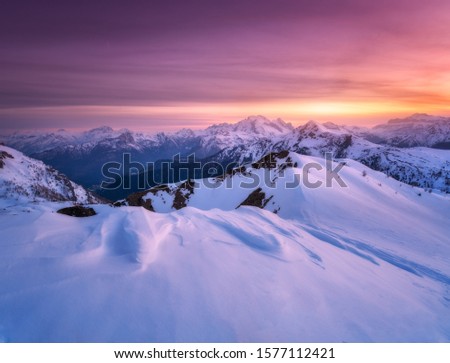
341, 151
257, 198
270, 160
159, 188
136, 200
183, 193
77, 211
4, 155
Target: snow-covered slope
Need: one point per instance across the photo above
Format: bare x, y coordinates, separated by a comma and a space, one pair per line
365, 262
23, 180
419, 166
272, 183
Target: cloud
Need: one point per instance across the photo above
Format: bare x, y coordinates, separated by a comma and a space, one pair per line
176, 53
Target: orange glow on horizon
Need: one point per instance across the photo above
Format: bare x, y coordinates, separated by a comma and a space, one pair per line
203, 115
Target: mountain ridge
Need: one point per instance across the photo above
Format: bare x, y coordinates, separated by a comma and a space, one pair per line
393, 148
24, 180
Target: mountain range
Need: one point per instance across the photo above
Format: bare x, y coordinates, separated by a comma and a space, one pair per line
412, 150
285, 243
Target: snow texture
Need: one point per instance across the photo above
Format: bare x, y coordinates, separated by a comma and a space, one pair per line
369, 262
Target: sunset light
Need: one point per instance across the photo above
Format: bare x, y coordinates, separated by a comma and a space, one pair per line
225, 179
197, 63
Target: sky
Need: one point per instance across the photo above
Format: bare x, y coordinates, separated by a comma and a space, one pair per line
163, 65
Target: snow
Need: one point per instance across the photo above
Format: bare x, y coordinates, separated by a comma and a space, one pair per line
369, 262
390, 148
415, 130
23, 179
250, 128
362, 206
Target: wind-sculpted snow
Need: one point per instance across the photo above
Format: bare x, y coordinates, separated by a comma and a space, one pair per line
366, 262
128, 274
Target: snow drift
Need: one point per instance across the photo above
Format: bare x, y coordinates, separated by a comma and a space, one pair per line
362, 263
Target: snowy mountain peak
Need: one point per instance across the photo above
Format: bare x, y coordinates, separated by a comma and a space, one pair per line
263, 126
101, 129
184, 133
23, 179
331, 126
126, 137
255, 118
416, 130
250, 127
313, 128
417, 118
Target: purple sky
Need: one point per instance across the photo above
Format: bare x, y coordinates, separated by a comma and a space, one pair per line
156, 65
